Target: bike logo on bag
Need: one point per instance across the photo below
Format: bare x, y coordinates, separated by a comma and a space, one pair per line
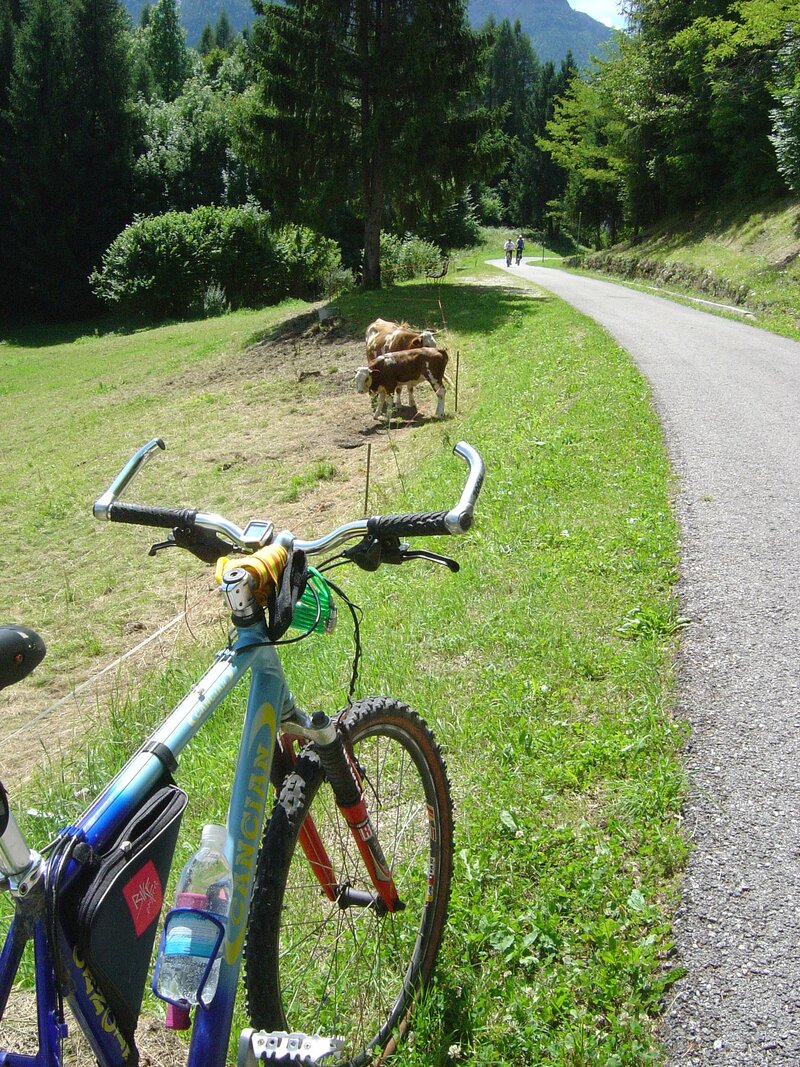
144, 897
98, 1002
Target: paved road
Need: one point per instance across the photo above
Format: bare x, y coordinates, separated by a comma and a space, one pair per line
728, 396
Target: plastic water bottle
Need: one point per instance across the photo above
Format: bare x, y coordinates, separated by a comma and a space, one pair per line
205, 884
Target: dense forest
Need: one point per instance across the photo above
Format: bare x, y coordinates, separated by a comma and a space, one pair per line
332, 119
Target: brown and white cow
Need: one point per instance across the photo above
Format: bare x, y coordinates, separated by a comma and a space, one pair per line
384, 336
387, 374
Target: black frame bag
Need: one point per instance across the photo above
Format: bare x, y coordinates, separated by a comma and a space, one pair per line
118, 902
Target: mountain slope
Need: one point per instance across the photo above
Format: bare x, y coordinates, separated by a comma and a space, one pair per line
552, 25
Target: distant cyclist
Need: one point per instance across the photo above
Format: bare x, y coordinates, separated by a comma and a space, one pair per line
520, 246
509, 251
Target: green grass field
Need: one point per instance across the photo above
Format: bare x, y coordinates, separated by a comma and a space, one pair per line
544, 666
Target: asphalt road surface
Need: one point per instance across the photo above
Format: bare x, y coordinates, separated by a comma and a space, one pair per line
728, 395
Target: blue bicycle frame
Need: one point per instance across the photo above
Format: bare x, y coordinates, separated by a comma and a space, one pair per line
31, 878
268, 698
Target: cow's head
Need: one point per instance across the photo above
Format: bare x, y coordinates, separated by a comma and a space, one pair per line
428, 340
363, 379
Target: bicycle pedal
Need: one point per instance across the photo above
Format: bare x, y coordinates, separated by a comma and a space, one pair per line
278, 1046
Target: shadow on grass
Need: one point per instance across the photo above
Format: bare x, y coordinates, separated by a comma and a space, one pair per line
49, 335
470, 309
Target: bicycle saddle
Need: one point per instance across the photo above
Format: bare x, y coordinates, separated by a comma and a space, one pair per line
20, 651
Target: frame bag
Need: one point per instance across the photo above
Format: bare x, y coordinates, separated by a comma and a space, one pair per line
119, 901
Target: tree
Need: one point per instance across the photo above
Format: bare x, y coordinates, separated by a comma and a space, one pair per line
206, 40
786, 116
187, 158
166, 49
223, 34
367, 104
103, 126
535, 179
42, 234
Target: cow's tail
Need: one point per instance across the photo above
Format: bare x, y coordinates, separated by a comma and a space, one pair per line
448, 381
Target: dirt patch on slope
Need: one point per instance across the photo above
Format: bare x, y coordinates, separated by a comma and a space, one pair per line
315, 417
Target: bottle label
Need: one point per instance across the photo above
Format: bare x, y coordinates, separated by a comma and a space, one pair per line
191, 934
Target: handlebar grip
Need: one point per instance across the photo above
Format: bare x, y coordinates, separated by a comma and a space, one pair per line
415, 524
143, 515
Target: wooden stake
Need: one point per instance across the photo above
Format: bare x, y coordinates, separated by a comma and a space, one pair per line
366, 487
458, 358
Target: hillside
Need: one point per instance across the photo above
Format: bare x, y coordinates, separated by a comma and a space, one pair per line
554, 28
748, 256
552, 25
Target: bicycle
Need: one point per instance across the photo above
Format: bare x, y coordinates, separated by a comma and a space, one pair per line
340, 916
508, 257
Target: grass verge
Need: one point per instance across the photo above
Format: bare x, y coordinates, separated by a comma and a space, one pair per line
545, 669
748, 256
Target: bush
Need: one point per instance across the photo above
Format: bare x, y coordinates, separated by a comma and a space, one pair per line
166, 265
215, 302
308, 260
407, 257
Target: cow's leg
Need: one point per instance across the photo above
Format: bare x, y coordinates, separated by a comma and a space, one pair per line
440, 402
398, 399
411, 397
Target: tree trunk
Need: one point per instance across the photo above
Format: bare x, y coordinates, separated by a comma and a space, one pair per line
373, 212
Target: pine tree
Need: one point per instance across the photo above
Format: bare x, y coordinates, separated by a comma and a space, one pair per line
366, 107
166, 49
104, 125
206, 40
7, 33
223, 33
6, 51
40, 173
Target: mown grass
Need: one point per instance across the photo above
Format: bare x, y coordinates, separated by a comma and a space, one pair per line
544, 667
73, 407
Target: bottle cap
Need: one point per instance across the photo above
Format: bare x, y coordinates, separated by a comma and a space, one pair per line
214, 836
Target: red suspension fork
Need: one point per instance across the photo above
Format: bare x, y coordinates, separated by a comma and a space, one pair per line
348, 790
345, 781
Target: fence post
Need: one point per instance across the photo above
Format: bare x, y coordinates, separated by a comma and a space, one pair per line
366, 487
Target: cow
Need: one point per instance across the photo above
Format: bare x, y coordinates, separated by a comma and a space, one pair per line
385, 336
387, 374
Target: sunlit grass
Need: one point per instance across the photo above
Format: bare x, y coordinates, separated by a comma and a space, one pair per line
544, 667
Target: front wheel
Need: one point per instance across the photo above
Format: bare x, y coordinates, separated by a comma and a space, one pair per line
315, 966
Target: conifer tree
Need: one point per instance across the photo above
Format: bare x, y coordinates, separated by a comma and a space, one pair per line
206, 40
40, 173
6, 63
103, 125
166, 49
366, 106
223, 33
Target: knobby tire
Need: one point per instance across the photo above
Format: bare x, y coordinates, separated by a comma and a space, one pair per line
315, 968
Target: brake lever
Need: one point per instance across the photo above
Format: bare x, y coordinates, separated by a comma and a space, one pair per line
204, 544
371, 552
434, 557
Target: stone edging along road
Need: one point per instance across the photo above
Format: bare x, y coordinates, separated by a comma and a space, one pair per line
728, 396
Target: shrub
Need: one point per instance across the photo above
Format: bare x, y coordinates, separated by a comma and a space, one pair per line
215, 302
167, 265
407, 257
308, 259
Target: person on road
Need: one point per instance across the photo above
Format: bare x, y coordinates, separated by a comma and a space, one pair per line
509, 250
520, 246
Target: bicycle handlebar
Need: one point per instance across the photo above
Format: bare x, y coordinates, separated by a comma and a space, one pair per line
259, 533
